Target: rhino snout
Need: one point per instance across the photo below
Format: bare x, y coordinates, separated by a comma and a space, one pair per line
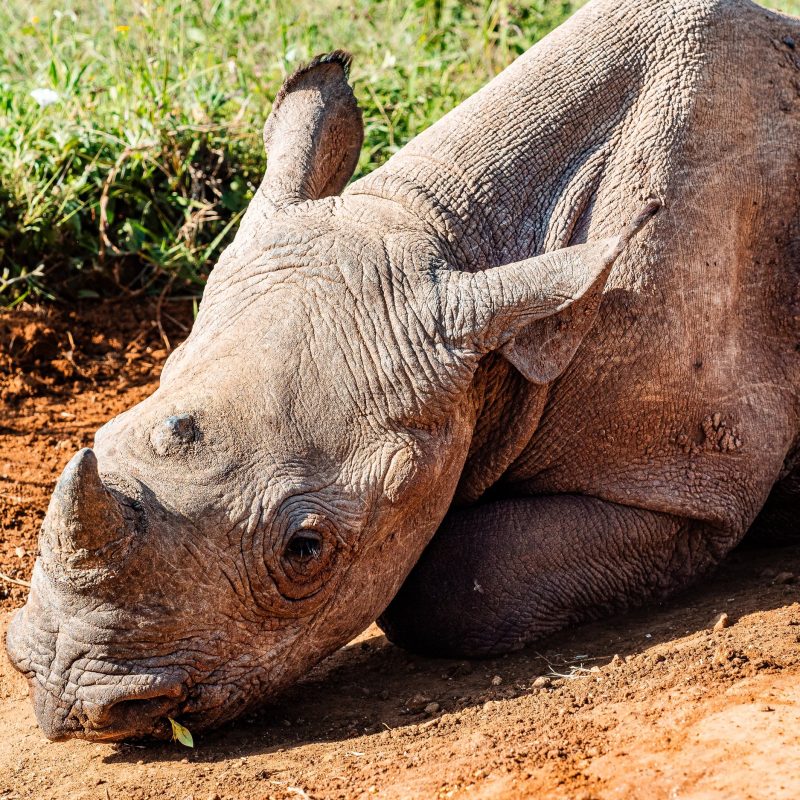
112, 713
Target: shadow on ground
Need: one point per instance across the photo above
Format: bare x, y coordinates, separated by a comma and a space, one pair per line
371, 686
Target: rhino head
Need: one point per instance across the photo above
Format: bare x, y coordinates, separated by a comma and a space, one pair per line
266, 503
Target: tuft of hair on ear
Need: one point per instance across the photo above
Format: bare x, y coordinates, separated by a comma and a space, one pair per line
340, 57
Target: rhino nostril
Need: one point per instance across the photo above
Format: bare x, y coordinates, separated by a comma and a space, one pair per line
135, 711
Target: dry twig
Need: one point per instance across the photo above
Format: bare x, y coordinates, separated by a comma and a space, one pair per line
17, 581
159, 303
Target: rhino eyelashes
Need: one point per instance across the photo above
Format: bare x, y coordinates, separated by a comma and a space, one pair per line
174, 433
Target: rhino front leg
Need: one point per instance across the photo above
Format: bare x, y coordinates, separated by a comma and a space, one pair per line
500, 575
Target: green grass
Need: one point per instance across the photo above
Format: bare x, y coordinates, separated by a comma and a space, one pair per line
134, 179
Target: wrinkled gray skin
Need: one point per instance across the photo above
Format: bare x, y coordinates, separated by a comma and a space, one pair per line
399, 368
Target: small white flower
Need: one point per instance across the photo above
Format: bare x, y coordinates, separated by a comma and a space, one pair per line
45, 97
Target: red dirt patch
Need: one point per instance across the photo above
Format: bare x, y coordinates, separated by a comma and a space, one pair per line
650, 706
62, 375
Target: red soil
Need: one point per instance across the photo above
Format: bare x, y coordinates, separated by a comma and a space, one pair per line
653, 705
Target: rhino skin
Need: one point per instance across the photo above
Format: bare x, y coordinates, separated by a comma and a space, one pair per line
461, 396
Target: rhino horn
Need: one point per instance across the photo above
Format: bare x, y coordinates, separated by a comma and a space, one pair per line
84, 520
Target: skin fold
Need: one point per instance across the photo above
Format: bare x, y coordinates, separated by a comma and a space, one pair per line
540, 367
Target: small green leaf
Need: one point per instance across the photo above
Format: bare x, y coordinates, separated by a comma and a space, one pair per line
181, 734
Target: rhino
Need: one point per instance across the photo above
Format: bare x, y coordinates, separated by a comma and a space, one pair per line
540, 367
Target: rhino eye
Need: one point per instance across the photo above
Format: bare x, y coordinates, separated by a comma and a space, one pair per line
307, 557
304, 546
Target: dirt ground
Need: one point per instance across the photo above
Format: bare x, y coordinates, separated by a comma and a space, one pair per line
656, 704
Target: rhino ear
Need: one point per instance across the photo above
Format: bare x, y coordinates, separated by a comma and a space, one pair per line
314, 133
535, 312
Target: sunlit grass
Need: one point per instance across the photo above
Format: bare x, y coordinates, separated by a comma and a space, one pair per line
787, 6
136, 172
139, 170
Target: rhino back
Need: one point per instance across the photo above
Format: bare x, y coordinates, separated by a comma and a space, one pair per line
683, 397
508, 172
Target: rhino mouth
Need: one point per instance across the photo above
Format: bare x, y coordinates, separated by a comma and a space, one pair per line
96, 700
117, 713
121, 730
78, 692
